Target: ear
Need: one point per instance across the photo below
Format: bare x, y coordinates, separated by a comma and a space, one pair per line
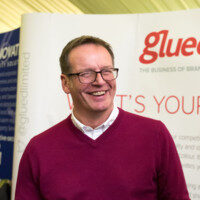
65, 83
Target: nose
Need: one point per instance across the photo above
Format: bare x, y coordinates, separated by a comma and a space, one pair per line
99, 80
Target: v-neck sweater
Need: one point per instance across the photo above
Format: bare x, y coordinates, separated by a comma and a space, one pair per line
134, 159
96, 132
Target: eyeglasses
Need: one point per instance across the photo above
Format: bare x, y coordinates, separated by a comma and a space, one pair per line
108, 74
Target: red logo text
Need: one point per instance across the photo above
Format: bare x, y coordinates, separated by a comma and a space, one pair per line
186, 47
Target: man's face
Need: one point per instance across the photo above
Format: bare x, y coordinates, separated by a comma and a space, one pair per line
92, 97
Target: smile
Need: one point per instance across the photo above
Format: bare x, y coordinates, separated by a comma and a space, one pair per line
98, 93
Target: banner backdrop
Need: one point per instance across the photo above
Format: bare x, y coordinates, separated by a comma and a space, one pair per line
9, 46
157, 55
9, 49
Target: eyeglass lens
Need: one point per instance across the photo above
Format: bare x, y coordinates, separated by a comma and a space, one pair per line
89, 77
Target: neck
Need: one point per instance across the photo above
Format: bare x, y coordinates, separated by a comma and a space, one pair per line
92, 119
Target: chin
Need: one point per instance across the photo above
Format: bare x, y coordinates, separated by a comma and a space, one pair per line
102, 108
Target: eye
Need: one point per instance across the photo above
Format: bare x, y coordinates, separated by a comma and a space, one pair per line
107, 71
85, 74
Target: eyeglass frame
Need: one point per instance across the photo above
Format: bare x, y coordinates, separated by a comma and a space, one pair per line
78, 74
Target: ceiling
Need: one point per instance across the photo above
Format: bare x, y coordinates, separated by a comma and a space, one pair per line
11, 10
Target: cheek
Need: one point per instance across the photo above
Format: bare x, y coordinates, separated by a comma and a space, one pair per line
76, 87
82, 92
113, 86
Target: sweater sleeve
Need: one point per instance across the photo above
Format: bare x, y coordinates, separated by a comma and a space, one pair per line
171, 181
27, 187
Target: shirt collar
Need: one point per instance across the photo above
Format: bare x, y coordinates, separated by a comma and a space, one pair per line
103, 126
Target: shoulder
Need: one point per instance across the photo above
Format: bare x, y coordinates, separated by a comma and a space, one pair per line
54, 130
140, 121
144, 127
51, 136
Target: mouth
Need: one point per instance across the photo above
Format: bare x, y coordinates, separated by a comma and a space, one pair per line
99, 93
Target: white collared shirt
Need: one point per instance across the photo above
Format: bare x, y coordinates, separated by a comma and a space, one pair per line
95, 133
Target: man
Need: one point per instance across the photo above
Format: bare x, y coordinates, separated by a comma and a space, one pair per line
99, 152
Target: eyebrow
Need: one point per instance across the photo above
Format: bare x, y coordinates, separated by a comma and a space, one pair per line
105, 67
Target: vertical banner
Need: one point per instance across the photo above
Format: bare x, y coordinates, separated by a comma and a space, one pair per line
168, 72
158, 57
9, 49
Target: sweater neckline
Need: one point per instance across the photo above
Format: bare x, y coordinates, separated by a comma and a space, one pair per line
108, 133
101, 128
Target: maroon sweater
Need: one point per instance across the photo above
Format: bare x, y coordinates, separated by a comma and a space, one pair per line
134, 159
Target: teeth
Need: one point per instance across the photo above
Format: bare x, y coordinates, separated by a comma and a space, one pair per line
98, 93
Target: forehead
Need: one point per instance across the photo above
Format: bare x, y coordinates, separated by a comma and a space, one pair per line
90, 56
